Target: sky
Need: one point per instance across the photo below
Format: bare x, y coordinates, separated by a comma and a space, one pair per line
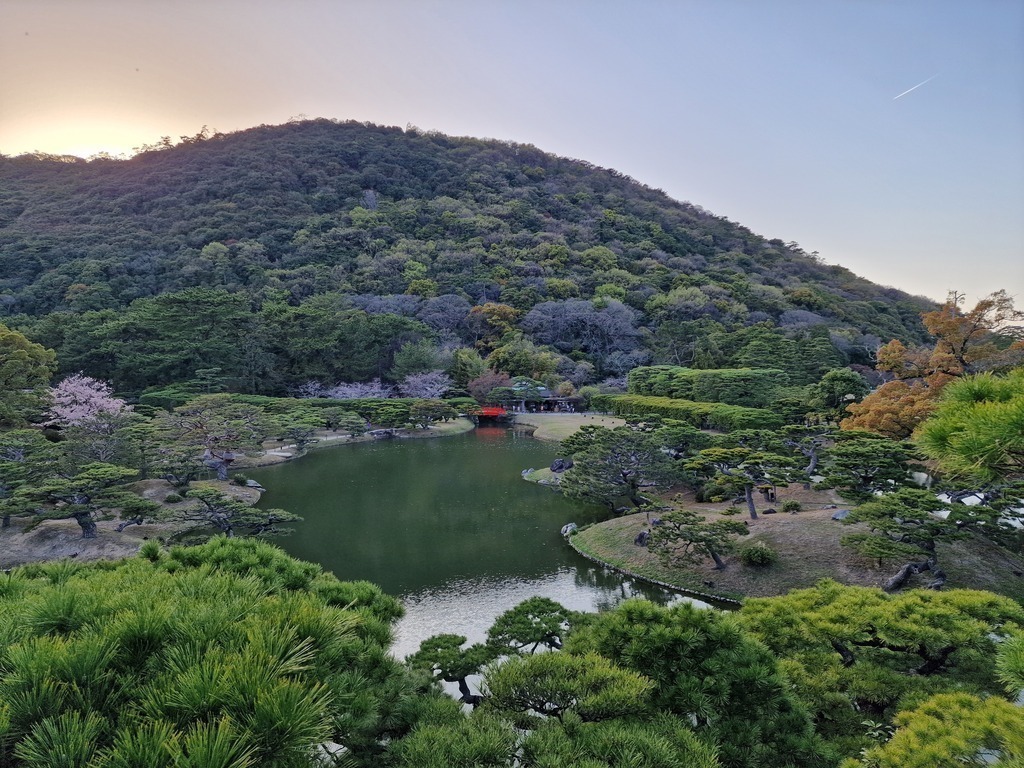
885, 135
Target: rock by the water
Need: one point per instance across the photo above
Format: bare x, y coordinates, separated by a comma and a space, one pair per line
560, 465
569, 528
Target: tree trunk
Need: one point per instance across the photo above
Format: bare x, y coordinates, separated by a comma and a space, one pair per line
748, 491
87, 524
846, 653
900, 579
132, 521
468, 697
934, 662
719, 564
940, 579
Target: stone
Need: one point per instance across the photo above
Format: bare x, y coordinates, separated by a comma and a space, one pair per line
842, 514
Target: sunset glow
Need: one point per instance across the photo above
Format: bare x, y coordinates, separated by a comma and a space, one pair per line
770, 114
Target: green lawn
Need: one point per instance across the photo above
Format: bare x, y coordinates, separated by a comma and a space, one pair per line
555, 427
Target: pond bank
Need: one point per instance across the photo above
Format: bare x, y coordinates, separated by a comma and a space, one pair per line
555, 427
809, 549
21, 544
276, 452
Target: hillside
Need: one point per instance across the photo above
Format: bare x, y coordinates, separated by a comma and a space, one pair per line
423, 227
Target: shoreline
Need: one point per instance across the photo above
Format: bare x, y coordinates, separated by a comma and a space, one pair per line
708, 597
55, 540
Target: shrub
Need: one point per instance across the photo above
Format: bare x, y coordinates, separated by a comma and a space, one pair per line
731, 510
172, 498
151, 550
791, 506
270, 657
758, 555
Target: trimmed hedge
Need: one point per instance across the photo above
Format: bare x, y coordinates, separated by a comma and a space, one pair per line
368, 407
749, 387
701, 415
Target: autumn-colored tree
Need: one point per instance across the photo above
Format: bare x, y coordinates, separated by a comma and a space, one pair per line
482, 386
965, 342
893, 410
968, 342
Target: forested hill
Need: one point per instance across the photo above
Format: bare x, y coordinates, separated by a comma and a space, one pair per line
361, 211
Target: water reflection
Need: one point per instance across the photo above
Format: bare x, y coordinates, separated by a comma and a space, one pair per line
469, 607
447, 525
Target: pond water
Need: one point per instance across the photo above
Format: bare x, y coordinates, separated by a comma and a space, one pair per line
447, 525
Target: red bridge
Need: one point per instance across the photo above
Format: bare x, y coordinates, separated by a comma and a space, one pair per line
493, 412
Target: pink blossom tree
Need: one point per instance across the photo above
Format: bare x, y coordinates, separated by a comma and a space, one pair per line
81, 399
357, 390
429, 386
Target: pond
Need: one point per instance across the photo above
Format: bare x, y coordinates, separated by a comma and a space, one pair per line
447, 525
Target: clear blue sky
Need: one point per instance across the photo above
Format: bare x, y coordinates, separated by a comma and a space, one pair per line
779, 114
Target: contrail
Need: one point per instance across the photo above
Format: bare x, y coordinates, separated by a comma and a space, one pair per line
916, 86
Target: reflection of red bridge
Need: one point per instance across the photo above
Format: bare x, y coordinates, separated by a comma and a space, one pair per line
493, 412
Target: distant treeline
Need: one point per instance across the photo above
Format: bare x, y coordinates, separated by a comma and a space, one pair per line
389, 236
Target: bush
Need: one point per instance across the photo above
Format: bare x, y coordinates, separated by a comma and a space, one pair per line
791, 506
240, 479
270, 657
732, 510
758, 555
172, 498
151, 550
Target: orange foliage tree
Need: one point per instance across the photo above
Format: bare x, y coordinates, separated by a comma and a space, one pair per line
980, 339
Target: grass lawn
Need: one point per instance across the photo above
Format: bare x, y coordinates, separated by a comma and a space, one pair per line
555, 427
808, 547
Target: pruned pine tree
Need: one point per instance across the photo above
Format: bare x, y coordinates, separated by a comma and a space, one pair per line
269, 658
856, 654
685, 537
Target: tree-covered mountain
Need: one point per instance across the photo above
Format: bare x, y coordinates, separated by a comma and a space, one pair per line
426, 238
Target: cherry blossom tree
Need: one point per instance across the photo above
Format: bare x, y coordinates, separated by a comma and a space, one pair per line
80, 399
428, 386
358, 390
